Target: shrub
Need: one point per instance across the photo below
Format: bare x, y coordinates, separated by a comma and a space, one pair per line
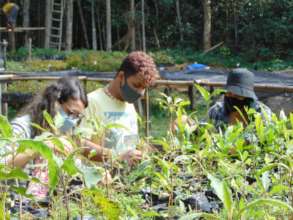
46, 65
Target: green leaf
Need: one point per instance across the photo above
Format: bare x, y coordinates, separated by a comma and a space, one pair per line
265, 202
164, 144
21, 191
291, 119
164, 165
107, 207
198, 215
36, 146
57, 143
223, 192
271, 166
163, 181
259, 128
91, 175
204, 93
278, 189
5, 127
266, 181
15, 173
53, 174
49, 119
217, 92
47, 154
69, 165
149, 214
38, 127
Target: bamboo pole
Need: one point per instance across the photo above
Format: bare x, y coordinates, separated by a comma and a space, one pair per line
147, 113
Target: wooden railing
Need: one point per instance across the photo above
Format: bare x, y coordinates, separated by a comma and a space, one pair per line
176, 84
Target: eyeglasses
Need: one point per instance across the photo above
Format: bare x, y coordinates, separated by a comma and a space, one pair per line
75, 115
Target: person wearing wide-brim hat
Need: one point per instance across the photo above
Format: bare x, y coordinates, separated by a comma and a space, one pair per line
239, 96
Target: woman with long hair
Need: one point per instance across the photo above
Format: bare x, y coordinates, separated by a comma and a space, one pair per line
65, 98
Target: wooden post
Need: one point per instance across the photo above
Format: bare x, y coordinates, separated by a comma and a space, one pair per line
69, 25
11, 37
140, 107
48, 22
108, 26
147, 113
29, 49
191, 95
5, 105
2, 86
26, 19
85, 84
143, 26
5, 44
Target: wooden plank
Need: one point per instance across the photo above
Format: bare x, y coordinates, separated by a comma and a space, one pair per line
20, 78
5, 77
22, 29
166, 83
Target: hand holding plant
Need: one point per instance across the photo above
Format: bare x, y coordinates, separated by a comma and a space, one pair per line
131, 157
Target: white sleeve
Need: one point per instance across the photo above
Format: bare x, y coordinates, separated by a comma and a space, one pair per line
22, 127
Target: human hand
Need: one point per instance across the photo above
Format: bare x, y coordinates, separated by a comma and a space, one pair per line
131, 157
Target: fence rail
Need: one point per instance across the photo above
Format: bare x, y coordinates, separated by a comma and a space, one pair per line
4, 79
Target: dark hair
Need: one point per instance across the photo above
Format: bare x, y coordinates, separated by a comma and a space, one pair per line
61, 91
136, 62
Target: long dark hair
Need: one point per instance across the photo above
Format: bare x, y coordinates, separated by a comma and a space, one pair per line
61, 91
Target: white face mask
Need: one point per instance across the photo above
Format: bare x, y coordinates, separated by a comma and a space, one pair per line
65, 122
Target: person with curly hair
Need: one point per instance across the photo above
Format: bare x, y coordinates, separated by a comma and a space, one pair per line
114, 104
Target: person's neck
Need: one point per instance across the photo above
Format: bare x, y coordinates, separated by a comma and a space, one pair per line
114, 90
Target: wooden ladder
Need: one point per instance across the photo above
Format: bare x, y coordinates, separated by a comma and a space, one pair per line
57, 12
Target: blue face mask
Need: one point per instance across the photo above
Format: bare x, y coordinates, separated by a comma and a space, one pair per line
68, 122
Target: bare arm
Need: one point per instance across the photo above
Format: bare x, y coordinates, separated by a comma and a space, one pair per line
21, 159
103, 154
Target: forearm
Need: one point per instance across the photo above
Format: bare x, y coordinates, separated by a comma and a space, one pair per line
21, 159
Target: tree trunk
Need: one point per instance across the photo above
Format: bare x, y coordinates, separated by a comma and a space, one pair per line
156, 38
69, 27
108, 25
118, 36
101, 44
94, 30
179, 19
143, 26
207, 24
26, 19
235, 23
139, 37
83, 24
48, 22
157, 21
104, 35
132, 24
